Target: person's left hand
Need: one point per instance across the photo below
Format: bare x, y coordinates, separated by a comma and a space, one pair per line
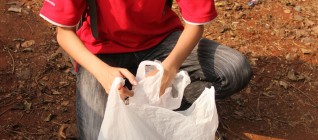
168, 75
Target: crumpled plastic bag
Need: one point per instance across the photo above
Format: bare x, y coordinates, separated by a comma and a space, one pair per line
150, 117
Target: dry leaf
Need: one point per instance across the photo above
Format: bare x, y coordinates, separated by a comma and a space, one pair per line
68, 131
54, 92
306, 51
49, 117
28, 43
283, 84
27, 105
65, 103
16, 9
295, 77
62, 130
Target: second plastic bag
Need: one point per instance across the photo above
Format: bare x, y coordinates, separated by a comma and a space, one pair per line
149, 116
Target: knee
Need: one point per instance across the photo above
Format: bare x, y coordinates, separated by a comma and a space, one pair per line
235, 73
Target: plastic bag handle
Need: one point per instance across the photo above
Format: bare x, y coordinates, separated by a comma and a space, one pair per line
141, 72
113, 90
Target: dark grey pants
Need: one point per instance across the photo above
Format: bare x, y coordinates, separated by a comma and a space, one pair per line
209, 64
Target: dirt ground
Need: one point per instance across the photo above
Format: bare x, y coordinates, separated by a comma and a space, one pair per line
280, 38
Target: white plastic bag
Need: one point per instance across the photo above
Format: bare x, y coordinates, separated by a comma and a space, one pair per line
149, 117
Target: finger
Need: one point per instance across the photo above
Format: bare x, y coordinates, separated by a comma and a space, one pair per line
129, 76
152, 73
124, 92
162, 90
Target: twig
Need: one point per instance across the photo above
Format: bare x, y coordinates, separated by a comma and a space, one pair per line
285, 122
309, 98
230, 131
5, 111
33, 133
57, 123
281, 121
10, 103
257, 109
8, 131
29, 27
13, 63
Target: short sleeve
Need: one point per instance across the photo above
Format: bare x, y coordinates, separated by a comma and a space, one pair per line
64, 13
197, 11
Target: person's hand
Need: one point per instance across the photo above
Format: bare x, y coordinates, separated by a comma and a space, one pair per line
107, 75
168, 75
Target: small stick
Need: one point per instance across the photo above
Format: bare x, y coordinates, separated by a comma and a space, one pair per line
5, 111
309, 98
232, 132
13, 63
57, 123
29, 26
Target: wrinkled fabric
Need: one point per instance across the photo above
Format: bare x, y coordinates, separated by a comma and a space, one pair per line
210, 63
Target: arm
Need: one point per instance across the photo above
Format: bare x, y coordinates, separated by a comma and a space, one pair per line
187, 41
104, 73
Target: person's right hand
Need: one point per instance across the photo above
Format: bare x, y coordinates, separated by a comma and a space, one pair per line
107, 75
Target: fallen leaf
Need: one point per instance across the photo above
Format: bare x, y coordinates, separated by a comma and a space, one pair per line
54, 92
287, 11
239, 113
298, 18
292, 75
71, 132
67, 131
62, 131
27, 50
220, 3
27, 105
19, 97
14, 8
49, 117
283, 84
309, 22
13, 3
315, 30
28, 43
65, 103
306, 51
18, 106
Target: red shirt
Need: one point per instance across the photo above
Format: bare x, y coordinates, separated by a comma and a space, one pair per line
127, 25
